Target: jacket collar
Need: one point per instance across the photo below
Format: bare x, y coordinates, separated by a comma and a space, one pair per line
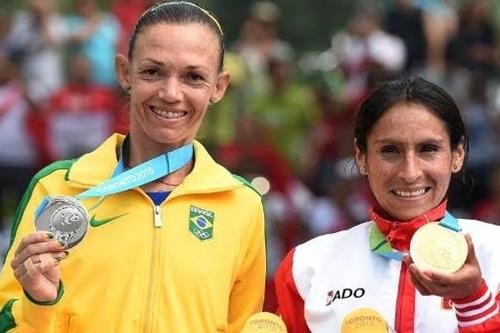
97, 166
399, 233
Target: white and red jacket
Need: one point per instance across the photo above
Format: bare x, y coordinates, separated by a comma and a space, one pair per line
321, 281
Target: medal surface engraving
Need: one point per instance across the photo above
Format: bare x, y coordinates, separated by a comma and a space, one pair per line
364, 320
66, 218
437, 248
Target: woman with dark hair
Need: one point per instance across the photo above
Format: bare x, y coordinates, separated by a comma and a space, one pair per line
175, 242
414, 266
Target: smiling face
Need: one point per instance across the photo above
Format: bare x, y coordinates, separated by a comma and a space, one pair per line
409, 160
172, 78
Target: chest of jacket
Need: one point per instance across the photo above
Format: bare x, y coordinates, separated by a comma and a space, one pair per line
357, 278
176, 259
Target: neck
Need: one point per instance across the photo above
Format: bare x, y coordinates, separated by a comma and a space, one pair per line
135, 153
140, 151
169, 182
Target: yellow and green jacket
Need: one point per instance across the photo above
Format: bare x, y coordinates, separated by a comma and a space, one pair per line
146, 268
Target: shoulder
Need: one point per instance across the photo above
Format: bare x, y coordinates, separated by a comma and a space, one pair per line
244, 199
252, 191
485, 236
59, 167
331, 242
56, 172
51, 176
309, 258
97, 165
208, 176
480, 228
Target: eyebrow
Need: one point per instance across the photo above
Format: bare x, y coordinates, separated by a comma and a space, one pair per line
161, 63
427, 141
156, 62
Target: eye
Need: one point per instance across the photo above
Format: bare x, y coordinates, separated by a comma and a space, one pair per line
429, 148
389, 149
194, 78
149, 73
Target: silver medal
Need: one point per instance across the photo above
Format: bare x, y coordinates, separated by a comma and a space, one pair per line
66, 218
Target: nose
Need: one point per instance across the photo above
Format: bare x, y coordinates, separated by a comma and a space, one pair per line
410, 168
171, 90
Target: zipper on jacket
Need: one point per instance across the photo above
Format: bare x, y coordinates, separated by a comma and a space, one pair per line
154, 272
158, 223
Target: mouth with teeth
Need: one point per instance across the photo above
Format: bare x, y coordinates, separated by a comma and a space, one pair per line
167, 114
411, 194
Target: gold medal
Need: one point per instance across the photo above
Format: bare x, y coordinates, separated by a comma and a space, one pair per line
439, 249
264, 322
364, 320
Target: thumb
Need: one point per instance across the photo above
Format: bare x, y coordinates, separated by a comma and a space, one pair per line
471, 254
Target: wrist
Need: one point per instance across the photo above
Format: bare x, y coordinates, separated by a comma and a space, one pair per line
478, 290
60, 292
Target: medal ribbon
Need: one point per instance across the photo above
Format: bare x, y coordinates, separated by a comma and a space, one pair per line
381, 246
139, 175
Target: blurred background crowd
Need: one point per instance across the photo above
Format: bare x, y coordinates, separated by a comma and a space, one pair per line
299, 71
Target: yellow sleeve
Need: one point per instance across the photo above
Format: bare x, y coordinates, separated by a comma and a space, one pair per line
247, 295
18, 313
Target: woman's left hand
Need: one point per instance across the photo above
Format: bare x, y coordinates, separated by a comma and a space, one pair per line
458, 285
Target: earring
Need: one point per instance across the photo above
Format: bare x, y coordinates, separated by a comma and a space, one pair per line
210, 101
127, 90
456, 168
362, 170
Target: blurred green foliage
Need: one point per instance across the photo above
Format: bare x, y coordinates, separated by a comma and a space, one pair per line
307, 25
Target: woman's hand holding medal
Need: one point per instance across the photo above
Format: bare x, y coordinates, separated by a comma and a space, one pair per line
35, 265
453, 285
60, 224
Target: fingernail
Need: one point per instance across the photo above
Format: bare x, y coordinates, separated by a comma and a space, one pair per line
61, 243
49, 235
58, 257
66, 253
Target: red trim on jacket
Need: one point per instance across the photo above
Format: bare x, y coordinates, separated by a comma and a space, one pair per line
405, 304
291, 304
467, 319
399, 233
491, 325
480, 305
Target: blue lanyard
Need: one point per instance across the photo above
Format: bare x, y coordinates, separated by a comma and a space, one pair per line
381, 246
139, 175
